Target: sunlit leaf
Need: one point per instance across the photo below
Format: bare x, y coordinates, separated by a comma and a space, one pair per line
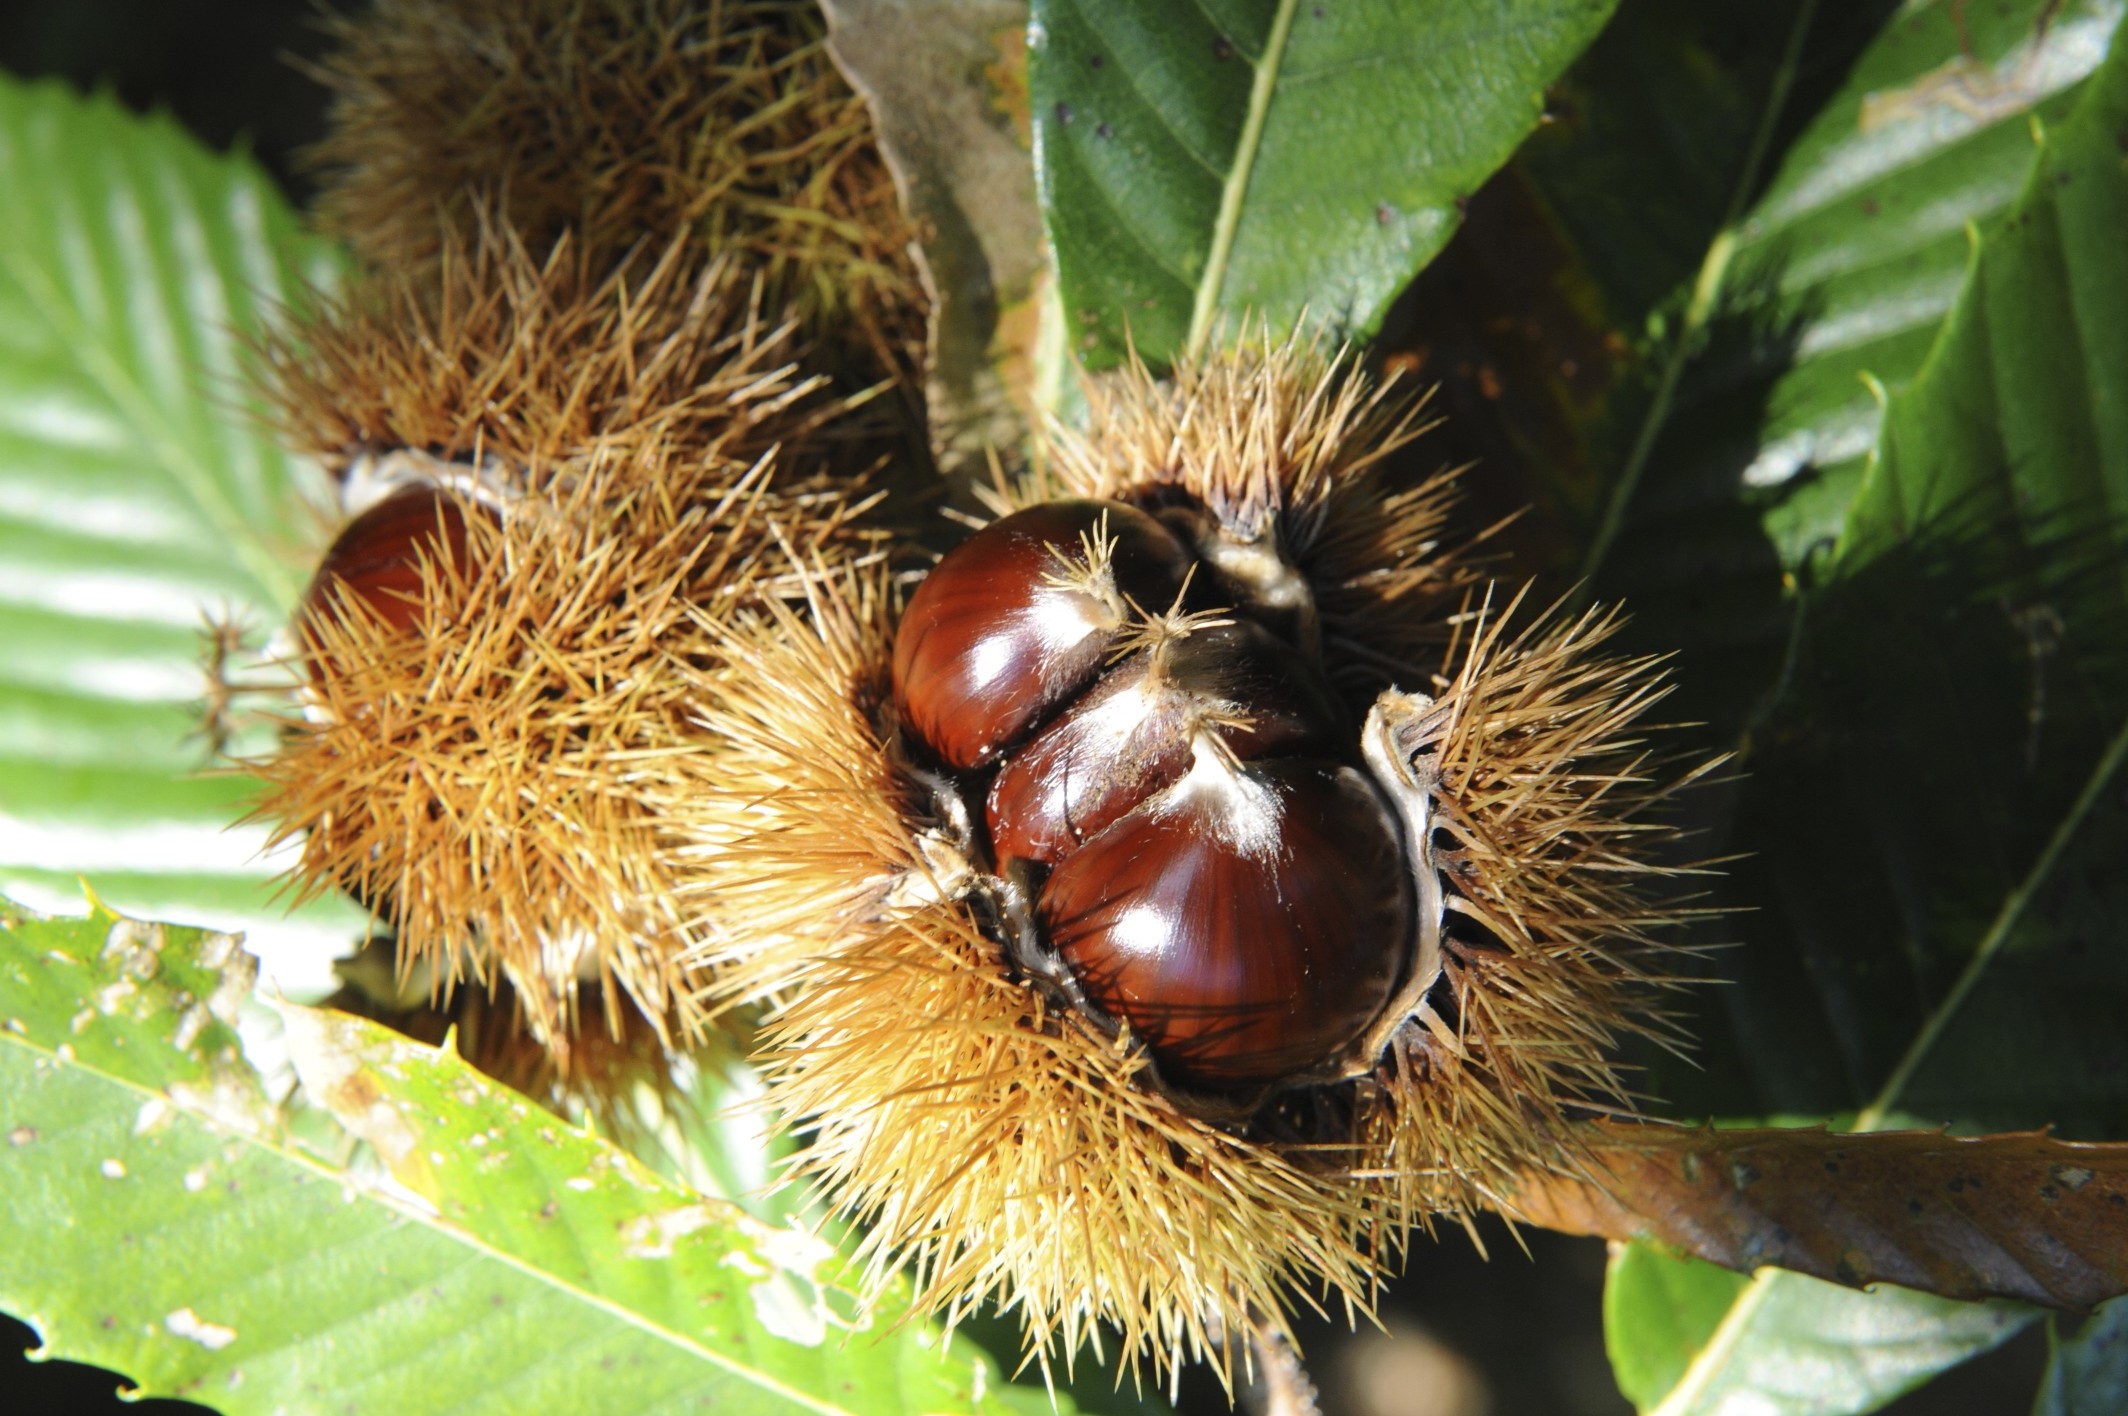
163, 1223
137, 495
1262, 158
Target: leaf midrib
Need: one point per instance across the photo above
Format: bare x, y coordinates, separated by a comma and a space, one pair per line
1707, 286
1204, 312
436, 1225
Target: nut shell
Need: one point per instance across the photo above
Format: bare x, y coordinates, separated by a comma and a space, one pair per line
1248, 923
1129, 736
377, 558
994, 639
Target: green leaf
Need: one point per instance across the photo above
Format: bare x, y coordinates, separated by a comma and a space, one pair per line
2016, 423
1841, 271
137, 493
1961, 714
1656, 1313
162, 1222
1656, 325
1957, 702
1261, 158
1661, 187
1751, 208
1794, 1346
2087, 1374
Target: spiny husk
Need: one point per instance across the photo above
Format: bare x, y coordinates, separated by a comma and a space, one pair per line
1552, 799
620, 122
530, 362
998, 1149
1290, 446
1006, 1149
497, 784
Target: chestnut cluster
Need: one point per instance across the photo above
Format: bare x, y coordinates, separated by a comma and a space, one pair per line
1171, 801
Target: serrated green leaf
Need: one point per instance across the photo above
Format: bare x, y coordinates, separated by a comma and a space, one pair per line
1954, 976
2017, 423
1769, 206
137, 493
2087, 1373
1848, 262
1964, 673
161, 1222
1261, 158
1656, 328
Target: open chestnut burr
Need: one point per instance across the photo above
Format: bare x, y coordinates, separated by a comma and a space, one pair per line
1198, 863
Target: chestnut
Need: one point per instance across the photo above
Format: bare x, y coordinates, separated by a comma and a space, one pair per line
1129, 735
1019, 617
377, 558
1248, 923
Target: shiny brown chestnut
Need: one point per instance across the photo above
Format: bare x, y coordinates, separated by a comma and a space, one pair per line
1015, 619
1248, 923
377, 558
1129, 735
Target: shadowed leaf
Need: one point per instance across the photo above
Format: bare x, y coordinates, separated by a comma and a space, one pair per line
945, 80
2087, 1373
1934, 805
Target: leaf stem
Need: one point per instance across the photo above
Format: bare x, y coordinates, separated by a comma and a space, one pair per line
1205, 311
1706, 293
2013, 908
1283, 1387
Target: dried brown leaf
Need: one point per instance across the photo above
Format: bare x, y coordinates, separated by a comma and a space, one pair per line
946, 85
2018, 1215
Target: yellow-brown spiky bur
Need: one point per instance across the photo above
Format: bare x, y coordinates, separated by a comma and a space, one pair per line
492, 760
992, 1142
1286, 449
619, 122
500, 358
1539, 804
977, 1086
